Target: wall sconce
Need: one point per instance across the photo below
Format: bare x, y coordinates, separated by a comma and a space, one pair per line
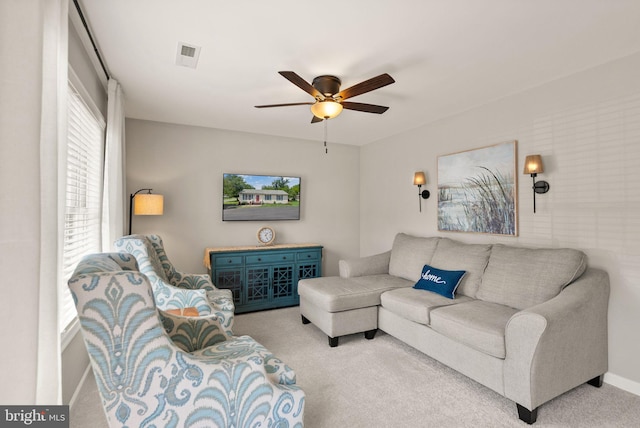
533, 166
145, 204
419, 180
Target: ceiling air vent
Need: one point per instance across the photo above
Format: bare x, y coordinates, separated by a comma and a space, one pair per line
187, 55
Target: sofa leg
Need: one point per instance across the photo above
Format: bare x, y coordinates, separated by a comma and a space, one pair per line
333, 341
596, 381
370, 334
305, 320
526, 415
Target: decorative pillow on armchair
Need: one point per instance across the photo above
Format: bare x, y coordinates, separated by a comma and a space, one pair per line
443, 282
185, 312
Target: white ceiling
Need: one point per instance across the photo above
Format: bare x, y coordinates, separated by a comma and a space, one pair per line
446, 56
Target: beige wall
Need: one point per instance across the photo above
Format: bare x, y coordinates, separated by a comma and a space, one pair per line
587, 129
186, 164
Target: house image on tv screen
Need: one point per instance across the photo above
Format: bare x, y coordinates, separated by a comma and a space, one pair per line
259, 196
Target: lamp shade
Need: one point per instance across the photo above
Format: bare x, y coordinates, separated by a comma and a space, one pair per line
326, 109
533, 164
148, 204
419, 179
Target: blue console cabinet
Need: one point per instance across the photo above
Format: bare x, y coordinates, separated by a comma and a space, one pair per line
264, 277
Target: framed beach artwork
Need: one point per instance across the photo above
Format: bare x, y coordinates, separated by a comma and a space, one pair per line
477, 190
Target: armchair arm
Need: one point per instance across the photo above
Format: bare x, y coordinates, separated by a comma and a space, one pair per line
169, 297
263, 387
192, 281
559, 344
371, 265
218, 303
193, 333
221, 301
276, 370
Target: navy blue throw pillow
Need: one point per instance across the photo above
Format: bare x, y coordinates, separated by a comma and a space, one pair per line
443, 282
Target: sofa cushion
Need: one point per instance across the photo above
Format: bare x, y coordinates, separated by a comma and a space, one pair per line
409, 254
477, 324
473, 258
525, 277
335, 294
440, 281
416, 305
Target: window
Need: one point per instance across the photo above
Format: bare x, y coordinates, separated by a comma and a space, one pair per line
84, 169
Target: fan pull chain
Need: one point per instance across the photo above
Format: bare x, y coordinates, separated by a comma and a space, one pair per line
326, 150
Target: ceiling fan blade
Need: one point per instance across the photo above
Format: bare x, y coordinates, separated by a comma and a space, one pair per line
284, 105
316, 119
367, 108
366, 86
301, 83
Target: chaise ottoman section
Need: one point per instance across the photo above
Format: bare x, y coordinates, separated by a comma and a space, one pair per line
340, 306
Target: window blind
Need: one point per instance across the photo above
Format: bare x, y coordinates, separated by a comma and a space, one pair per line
84, 171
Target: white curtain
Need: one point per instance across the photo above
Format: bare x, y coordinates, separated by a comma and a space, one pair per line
53, 137
113, 203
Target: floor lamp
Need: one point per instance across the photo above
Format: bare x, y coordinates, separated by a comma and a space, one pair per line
145, 204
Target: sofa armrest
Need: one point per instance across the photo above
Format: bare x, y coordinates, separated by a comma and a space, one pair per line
559, 344
371, 265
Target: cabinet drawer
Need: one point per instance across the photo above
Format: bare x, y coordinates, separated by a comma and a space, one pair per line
228, 261
270, 258
308, 255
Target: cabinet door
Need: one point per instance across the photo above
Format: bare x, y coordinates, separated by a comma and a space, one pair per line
231, 279
309, 264
257, 284
283, 282
308, 270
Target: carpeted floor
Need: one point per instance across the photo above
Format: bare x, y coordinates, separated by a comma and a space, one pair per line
385, 383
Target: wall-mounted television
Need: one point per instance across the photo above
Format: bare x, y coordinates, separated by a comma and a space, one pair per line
248, 197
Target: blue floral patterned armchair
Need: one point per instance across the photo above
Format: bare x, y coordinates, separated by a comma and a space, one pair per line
175, 291
146, 380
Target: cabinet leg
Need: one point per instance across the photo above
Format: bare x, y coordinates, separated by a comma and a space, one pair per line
305, 320
333, 342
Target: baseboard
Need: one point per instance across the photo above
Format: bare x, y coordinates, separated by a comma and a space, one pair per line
622, 383
76, 393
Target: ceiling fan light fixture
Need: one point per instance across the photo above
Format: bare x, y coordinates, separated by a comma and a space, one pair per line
326, 109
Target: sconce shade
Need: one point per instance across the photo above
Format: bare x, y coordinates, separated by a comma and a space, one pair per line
419, 179
326, 109
533, 165
148, 204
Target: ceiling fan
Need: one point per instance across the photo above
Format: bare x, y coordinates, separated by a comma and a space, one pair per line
329, 99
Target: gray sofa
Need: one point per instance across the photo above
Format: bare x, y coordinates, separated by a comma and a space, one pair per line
527, 323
